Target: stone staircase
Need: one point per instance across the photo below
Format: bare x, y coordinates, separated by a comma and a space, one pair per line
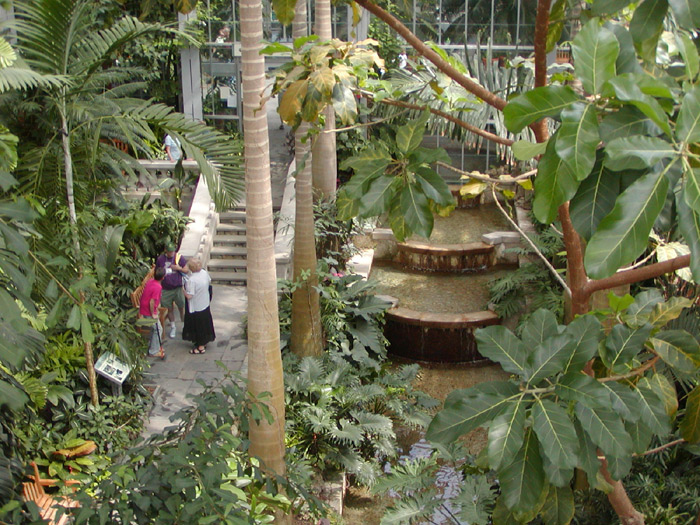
227, 260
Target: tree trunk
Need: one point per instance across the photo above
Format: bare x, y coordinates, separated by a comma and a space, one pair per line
264, 358
324, 165
73, 217
306, 310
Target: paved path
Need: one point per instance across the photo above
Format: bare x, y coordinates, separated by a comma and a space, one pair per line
178, 377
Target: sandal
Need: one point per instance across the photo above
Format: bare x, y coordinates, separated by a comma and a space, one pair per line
198, 350
160, 354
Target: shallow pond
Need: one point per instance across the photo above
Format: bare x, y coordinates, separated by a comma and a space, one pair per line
466, 225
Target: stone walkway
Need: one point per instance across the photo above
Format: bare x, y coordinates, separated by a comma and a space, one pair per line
178, 377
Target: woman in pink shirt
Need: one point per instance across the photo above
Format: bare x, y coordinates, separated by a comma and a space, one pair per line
148, 307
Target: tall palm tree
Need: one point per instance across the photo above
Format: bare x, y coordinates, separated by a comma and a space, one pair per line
264, 357
325, 163
306, 310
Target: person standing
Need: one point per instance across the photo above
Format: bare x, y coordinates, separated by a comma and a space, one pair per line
172, 148
199, 325
173, 295
148, 307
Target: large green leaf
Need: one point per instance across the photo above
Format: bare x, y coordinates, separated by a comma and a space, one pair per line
688, 123
556, 433
559, 507
506, 434
525, 150
627, 60
555, 184
536, 104
578, 138
622, 236
653, 412
539, 327
347, 206
580, 387
424, 156
619, 466
378, 197
523, 481
548, 358
499, 344
370, 162
637, 152
644, 303
557, 20
12, 397
595, 51
605, 430
623, 344
344, 103
416, 210
664, 312
587, 453
691, 188
689, 53
626, 87
594, 199
624, 401
690, 425
647, 20
584, 332
686, 13
641, 435
689, 226
434, 186
626, 122
410, 134
465, 410
556, 475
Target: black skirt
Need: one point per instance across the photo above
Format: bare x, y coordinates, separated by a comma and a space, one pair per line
198, 327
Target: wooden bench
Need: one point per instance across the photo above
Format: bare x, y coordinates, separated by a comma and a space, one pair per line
48, 503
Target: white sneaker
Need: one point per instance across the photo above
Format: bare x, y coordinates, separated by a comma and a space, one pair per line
173, 331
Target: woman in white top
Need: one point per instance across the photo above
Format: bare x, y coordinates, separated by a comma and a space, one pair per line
199, 326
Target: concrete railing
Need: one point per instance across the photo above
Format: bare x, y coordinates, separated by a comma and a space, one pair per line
284, 235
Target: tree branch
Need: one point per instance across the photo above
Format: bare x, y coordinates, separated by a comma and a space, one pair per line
662, 447
469, 127
467, 83
540, 41
574, 256
532, 244
638, 274
634, 373
485, 178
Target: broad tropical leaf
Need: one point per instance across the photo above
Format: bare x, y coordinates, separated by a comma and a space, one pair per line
647, 21
577, 138
434, 186
416, 210
556, 433
595, 51
690, 425
664, 312
410, 135
626, 87
523, 481
370, 162
689, 53
622, 344
465, 410
525, 150
653, 412
594, 199
548, 358
284, 9
344, 103
641, 435
627, 60
624, 401
623, 234
678, 349
534, 105
620, 466
506, 434
554, 185
499, 344
378, 197
627, 122
607, 7
686, 13
688, 123
580, 387
637, 152
539, 327
558, 508
605, 430
584, 333
689, 226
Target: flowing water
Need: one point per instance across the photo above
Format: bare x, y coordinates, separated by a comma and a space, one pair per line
466, 225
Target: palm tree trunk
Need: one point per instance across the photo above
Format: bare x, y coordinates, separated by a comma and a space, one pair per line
324, 166
306, 310
264, 357
73, 217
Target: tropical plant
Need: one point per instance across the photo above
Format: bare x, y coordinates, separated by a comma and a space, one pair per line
342, 417
554, 418
199, 469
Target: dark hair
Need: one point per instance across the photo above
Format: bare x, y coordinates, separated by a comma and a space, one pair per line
159, 273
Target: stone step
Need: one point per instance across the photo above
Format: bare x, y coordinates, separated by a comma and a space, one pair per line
227, 264
222, 252
229, 277
229, 240
227, 217
230, 229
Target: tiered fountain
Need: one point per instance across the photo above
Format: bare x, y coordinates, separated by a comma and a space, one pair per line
439, 286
